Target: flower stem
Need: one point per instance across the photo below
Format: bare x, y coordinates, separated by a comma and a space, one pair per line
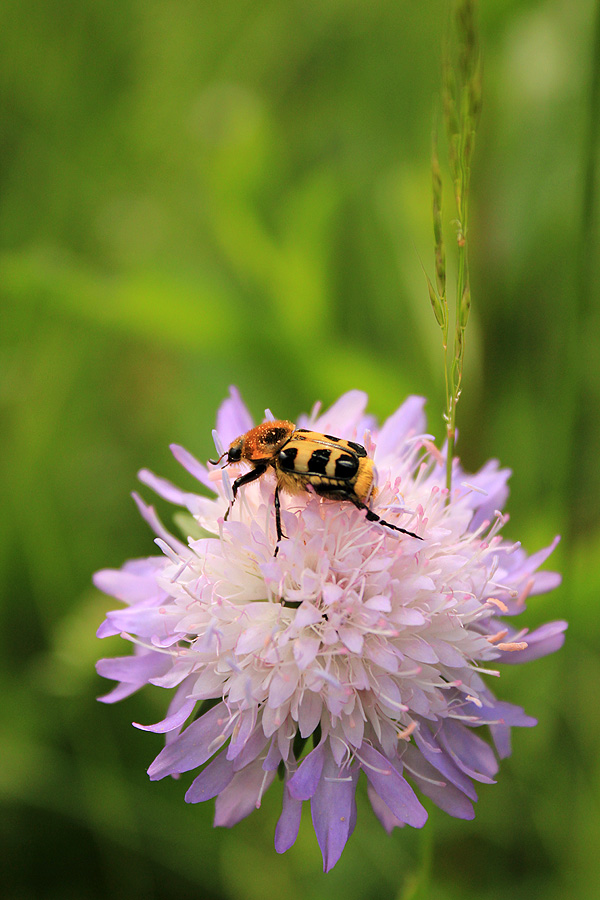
418, 886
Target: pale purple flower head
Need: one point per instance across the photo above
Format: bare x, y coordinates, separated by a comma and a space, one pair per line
355, 648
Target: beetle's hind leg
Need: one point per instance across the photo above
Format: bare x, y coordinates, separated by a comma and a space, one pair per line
373, 517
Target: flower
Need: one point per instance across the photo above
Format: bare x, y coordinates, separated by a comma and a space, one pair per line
355, 648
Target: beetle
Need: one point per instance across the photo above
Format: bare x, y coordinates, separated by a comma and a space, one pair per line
334, 468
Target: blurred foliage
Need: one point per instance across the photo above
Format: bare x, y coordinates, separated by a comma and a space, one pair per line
197, 194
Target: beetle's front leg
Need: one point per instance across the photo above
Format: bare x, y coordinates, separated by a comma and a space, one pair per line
246, 478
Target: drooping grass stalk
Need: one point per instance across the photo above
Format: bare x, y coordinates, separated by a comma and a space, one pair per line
579, 389
461, 91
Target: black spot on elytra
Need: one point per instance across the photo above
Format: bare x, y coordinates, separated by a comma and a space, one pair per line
317, 464
346, 466
358, 448
331, 437
287, 457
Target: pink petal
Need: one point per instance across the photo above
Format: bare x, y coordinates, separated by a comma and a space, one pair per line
305, 651
309, 713
283, 685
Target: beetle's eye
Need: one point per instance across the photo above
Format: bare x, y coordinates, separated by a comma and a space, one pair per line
235, 453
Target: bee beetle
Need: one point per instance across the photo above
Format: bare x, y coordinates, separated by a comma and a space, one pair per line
335, 468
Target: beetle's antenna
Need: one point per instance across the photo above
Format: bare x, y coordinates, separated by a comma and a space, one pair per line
218, 447
215, 462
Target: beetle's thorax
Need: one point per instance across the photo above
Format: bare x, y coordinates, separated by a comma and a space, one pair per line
262, 442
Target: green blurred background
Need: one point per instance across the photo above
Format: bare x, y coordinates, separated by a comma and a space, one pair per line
197, 194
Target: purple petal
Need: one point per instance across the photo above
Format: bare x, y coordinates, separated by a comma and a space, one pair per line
171, 722
241, 733
407, 421
288, 825
382, 811
497, 712
137, 669
120, 692
211, 781
179, 700
193, 466
544, 582
445, 795
163, 488
254, 745
107, 629
501, 737
393, 789
134, 672
194, 745
439, 759
273, 757
491, 480
144, 621
544, 640
148, 513
242, 795
528, 564
233, 418
344, 416
304, 782
133, 583
333, 809
470, 752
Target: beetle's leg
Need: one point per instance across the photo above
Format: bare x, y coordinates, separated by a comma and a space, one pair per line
280, 533
373, 517
246, 478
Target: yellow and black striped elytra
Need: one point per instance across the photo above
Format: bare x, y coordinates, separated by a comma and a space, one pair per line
333, 467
